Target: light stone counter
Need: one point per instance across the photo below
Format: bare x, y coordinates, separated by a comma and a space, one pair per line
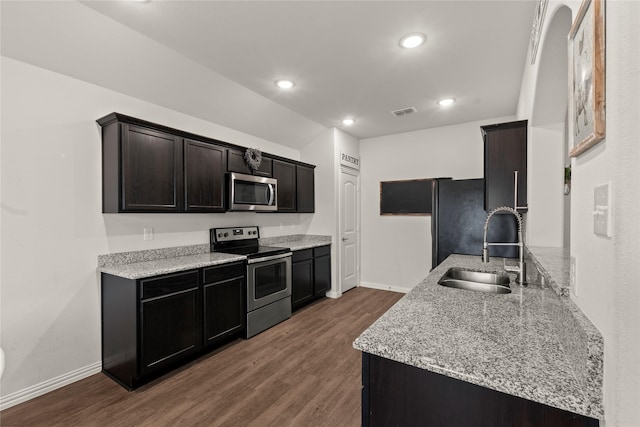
140, 270
507, 343
153, 262
296, 242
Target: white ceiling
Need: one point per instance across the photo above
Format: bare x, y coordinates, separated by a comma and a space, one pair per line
344, 55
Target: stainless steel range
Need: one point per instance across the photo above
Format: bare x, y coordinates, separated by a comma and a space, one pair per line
268, 275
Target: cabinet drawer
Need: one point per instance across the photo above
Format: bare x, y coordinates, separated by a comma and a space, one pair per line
168, 284
302, 255
223, 272
322, 250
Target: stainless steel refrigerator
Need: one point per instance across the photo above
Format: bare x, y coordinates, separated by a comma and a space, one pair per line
457, 221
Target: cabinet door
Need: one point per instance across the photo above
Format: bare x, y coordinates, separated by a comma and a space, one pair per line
151, 179
321, 275
204, 176
285, 173
505, 151
301, 282
170, 320
224, 313
266, 167
305, 193
236, 163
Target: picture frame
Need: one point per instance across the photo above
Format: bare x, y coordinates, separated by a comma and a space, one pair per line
587, 77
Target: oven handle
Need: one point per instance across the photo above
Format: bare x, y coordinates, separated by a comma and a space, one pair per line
268, 258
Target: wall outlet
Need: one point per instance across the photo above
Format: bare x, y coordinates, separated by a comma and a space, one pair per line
602, 210
148, 233
573, 282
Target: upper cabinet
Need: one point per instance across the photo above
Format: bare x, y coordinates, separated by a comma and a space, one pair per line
505, 165
237, 163
305, 192
141, 170
204, 176
285, 173
147, 167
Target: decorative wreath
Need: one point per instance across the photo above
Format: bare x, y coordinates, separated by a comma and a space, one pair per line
253, 157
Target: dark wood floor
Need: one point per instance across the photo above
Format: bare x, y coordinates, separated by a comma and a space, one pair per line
302, 372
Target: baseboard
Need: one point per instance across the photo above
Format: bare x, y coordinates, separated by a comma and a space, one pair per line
333, 294
46, 386
383, 287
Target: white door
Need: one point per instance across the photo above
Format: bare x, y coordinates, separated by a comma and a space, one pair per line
349, 229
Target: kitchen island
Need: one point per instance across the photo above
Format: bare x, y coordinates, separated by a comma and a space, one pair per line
507, 344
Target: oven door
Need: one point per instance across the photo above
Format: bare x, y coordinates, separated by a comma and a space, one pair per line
268, 280
252, 193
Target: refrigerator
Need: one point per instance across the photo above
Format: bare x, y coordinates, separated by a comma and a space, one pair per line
458, 218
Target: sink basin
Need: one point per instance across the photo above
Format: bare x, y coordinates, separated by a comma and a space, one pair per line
480, 281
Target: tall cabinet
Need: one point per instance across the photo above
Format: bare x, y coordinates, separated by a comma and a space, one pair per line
505, 165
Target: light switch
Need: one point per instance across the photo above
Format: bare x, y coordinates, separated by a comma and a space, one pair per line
148, 233
602, 210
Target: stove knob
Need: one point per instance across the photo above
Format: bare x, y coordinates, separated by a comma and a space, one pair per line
226, 234
219, 234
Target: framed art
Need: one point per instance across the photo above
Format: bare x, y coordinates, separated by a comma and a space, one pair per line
587, 78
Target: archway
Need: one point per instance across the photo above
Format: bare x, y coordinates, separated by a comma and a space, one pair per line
549, 214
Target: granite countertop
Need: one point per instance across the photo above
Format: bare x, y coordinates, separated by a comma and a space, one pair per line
502, 342
297, 242
140, 270
154, 262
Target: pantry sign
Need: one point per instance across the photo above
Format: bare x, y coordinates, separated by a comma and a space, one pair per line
349, 160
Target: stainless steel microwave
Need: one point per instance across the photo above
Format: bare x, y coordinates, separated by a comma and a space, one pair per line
252, 193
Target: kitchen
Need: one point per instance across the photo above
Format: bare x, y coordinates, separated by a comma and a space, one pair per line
51, 160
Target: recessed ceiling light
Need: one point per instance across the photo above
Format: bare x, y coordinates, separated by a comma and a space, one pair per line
446, 102
348, 122
413, 40
285, 84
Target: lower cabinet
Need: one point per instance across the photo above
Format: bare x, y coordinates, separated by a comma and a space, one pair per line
223, 295
395, 394
310, 275
170, 320
155, 324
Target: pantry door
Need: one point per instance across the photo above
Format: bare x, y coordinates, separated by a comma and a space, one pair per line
349, 230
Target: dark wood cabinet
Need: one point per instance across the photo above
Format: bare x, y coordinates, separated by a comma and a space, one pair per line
505, 152
302, 280
204, 176
170, 320
148, 167
142, 170
285, 173
155, 324
305, 191
223, 302
321, 270
395, 394
310, 275
237, 163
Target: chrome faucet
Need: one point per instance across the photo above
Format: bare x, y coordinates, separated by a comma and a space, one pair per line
521, 268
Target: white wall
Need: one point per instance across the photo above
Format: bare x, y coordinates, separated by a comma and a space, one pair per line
321, 152
608, 285
52, 225
545, 186
396, 250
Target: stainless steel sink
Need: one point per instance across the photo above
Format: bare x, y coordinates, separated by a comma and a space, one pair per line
480, 281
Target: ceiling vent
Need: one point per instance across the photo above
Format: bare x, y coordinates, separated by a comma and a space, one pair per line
404, 112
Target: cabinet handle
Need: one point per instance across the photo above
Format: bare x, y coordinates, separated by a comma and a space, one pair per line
515, 192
